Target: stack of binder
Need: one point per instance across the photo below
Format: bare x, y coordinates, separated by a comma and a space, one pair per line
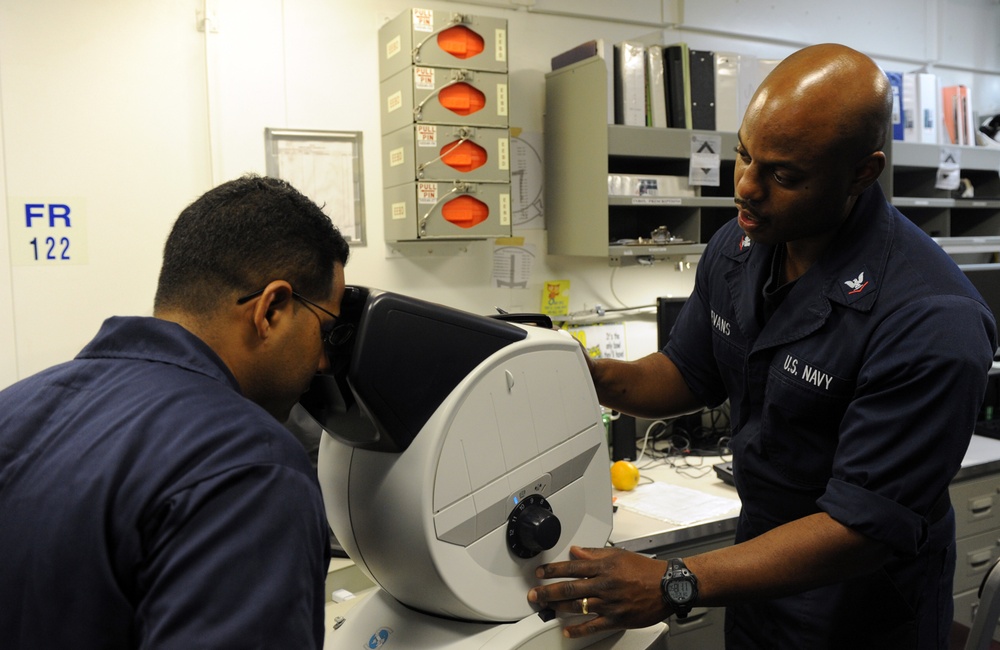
956, 115
445, 130
630, 83
673, 86
925, 111
920, 103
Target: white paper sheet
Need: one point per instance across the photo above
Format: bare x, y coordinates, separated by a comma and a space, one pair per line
675, 504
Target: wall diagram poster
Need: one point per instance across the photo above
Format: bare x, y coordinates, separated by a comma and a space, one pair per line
526, 176
325, 166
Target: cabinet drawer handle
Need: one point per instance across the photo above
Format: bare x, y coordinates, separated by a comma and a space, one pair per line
980, 558
981, 506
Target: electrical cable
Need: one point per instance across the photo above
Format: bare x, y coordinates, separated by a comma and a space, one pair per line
666, 443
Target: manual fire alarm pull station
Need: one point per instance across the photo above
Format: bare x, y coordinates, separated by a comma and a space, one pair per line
429, 152
445, 131
442, 39
447, 210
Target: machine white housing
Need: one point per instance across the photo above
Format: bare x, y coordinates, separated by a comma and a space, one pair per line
429, 523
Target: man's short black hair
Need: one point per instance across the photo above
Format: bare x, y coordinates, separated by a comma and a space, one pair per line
241, 235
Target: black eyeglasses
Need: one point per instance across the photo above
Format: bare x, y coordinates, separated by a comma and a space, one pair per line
334, 336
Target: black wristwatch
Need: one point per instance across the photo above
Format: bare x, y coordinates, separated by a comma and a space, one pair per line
679, 587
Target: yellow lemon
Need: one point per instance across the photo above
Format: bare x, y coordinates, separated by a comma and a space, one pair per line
624, 475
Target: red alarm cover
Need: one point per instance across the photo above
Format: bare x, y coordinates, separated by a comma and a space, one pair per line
463, 156
461, 98
460, 42
465, 211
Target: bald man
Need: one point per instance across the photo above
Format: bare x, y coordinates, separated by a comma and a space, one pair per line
854, 355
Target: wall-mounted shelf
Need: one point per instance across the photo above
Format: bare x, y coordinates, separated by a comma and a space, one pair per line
582, 149
951, 220
970, 245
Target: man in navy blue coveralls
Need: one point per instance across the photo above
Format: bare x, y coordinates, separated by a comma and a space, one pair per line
149, 495
854, 355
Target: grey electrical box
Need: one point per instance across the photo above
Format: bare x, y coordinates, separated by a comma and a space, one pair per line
442, 39
431, 152
447, 210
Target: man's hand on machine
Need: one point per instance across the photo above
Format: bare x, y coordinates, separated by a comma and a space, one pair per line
619, 589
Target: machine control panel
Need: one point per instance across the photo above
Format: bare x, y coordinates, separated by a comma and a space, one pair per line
542, 486
532, 527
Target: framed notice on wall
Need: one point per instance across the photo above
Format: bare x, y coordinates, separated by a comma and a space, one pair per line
325, 166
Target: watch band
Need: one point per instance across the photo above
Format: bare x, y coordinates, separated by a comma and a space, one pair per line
677, 571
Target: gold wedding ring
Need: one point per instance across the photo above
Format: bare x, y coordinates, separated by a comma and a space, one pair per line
583, 606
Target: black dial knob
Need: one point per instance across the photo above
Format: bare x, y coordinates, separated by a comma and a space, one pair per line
538, 529
532, 527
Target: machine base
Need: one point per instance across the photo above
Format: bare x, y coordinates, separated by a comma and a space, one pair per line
380, 621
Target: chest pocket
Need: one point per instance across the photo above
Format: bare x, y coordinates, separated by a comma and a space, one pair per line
803, 410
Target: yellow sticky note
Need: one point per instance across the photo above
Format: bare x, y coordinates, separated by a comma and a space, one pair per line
555, 298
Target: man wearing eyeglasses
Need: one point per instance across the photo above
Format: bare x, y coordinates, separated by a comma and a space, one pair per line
149, 494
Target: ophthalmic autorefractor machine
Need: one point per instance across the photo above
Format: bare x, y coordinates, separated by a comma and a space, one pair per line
463, 451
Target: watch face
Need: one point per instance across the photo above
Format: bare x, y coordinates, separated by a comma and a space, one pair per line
679, 591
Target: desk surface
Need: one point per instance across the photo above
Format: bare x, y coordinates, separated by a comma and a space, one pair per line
982, 457
637, 532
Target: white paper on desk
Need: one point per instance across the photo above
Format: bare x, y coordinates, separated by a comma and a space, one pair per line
678, 505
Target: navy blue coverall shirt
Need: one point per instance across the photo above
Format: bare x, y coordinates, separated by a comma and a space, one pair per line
145, 503
856, 397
